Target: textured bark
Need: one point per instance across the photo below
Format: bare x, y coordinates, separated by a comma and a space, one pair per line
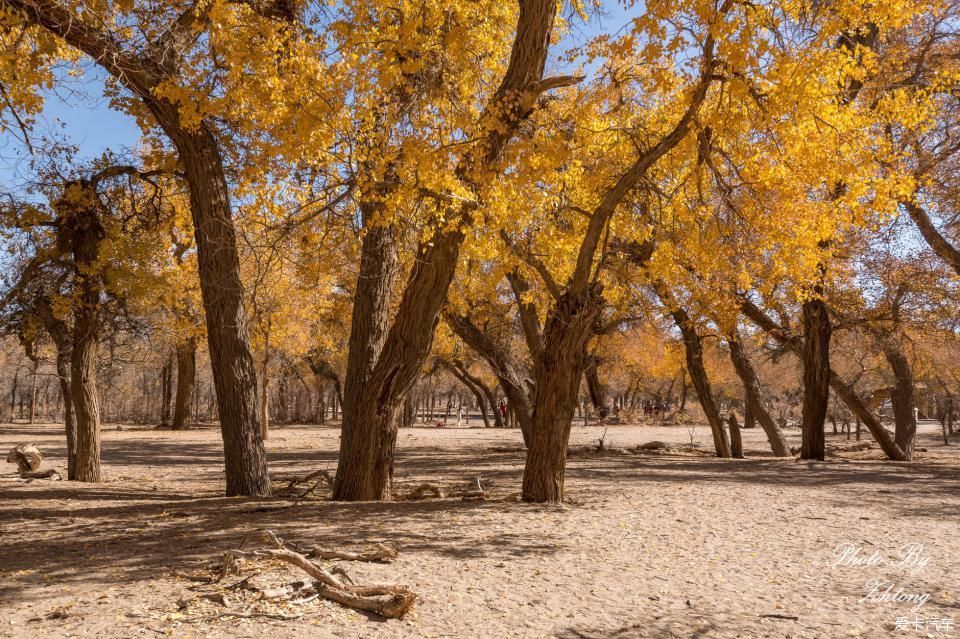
816, 377
218, 261
231, 361
698, 375
754, 398
902, 399
80, 232
598, 392
844, 391
186, 376
569, 327
357, 478
736, 442
366, 450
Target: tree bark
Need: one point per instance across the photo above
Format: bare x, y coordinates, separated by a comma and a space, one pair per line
698, 375
754, 397
80, 231
902, 400
736, 442
186, 377
357, 479
816, 377
568, 330
368, 441
166, 391
844, 391
598, 392
219, 266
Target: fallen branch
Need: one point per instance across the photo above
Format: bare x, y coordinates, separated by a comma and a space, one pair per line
27, 457
379, 552
391, 601
421, 492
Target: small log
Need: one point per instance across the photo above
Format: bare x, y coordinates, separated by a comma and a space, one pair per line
27, 457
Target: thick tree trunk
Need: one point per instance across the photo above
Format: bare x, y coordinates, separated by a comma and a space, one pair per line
231, 361
186, 377
357, 479
902, 399
569, 328
754, 397
366, 450
698, 375
816, 377
598, 392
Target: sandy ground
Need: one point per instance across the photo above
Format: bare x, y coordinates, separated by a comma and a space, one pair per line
653, 545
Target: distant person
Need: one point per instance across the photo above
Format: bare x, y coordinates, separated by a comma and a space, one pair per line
503, 409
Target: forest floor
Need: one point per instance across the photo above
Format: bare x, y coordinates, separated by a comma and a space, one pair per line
660, 544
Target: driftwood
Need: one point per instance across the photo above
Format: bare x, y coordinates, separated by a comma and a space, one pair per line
391, 601
27, 457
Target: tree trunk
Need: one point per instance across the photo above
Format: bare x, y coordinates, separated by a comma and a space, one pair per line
265, 393
357, 479
736, 442
698, 375
568, 330
70, 426
754, 397
902, 400
166, 391
231, 361
497, 358
843, 390
186, 377
598, 392
461, 373
366, 450
816, 377
81, 232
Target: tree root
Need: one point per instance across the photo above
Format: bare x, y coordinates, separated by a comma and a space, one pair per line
391, 601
